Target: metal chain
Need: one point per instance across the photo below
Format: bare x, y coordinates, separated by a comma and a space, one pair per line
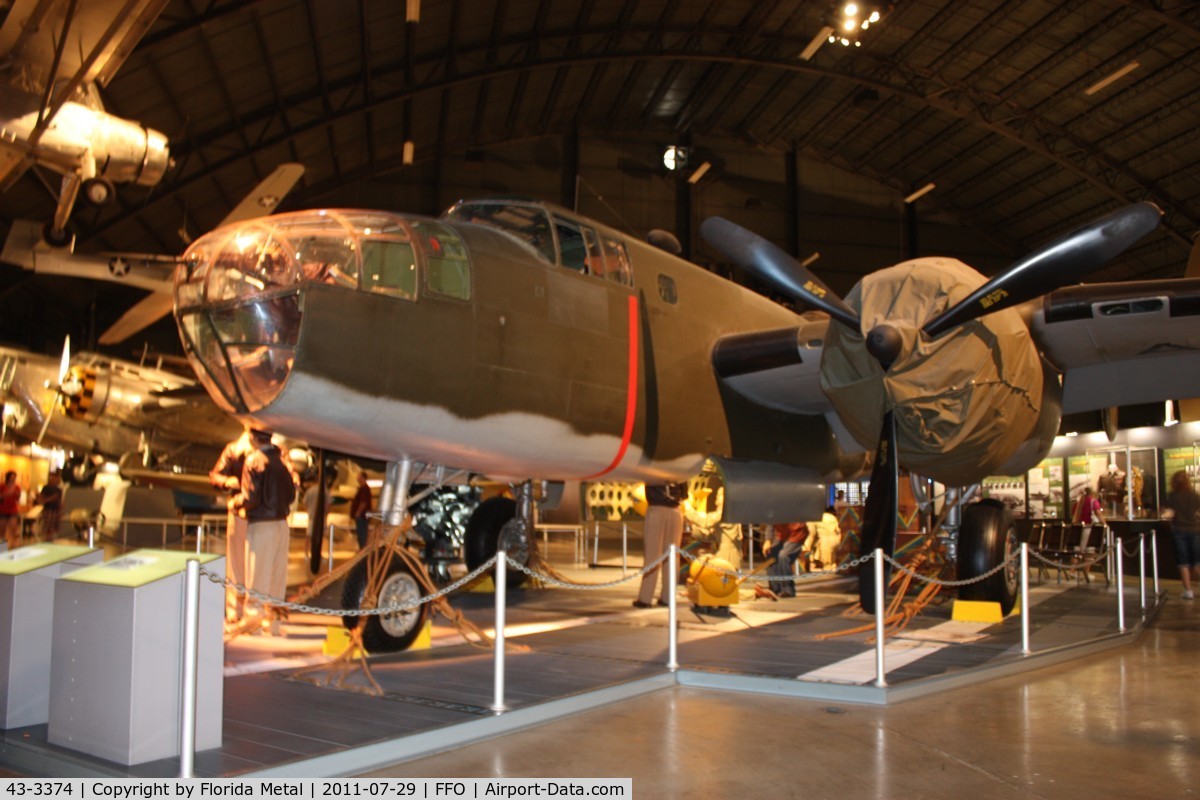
751, 577
1100, 556
537, 576
940, 582
353, 612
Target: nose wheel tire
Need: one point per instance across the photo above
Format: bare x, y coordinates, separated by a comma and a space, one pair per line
388, 633
495, 523
986, 538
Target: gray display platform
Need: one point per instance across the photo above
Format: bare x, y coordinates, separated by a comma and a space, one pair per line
116, 675
27, 577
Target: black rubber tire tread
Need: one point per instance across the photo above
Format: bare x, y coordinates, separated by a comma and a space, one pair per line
375, 638
483, 531
982, 544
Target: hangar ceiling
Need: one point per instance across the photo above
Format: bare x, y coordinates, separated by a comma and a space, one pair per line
992, 102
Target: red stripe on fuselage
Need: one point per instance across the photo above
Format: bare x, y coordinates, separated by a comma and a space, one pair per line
630, 392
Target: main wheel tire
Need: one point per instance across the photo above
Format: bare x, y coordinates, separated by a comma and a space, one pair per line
98, 192
57, 237
391, 632
495, 522
988, 537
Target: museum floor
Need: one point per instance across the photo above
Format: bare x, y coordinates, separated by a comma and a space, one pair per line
1123, 723
1119, 720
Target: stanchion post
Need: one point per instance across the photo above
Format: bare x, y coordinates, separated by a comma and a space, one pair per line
880, 602
1154, 559
1142, 570
329, 559
596, 545
624, 549
91, 536
1120, 586
501, 589
1025, 598
672, 611
751, 529
191, 649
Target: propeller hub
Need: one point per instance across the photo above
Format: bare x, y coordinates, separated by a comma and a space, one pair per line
885, 344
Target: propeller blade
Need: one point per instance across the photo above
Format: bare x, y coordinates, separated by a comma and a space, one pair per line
775, 267
64, 364
317, 525
1065, 261
879, 517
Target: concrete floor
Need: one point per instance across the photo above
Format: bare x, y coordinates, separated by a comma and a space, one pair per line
1124, 723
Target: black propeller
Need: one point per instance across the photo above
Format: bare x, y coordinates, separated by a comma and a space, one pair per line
776, 267
1062, 262
317, 525
879, 517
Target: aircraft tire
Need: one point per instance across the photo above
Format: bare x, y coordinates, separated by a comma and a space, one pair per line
487, 525
394, 632
56, 237
98, 192
987, 537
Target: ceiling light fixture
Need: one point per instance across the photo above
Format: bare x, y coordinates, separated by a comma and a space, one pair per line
815, 45
919, 193
1116, 76
808, 262
674, 157
1170, 418
413, 11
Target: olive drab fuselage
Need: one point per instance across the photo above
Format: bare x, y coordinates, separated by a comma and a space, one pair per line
464, 345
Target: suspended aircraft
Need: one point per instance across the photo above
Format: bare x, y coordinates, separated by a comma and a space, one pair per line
25, 246
58, 54
524, 342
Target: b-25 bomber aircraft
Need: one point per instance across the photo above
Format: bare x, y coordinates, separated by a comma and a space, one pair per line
516, 339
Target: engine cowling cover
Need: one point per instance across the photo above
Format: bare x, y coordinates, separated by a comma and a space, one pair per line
963, 401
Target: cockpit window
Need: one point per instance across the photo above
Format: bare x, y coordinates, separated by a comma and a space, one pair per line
447, 268
528, 223
324, 259
389, 267
617, 260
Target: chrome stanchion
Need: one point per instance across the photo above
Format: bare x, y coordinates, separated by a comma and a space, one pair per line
1025, 598
880, 680
751, 527
200, 538
624, 548
1154, 558
329, 561
191, 649
1108, 559
672, 613
1120, 587
501, 588
1142, 570
91, 536
596, 545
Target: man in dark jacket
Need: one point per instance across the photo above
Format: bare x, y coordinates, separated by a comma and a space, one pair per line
226, 474
267, 490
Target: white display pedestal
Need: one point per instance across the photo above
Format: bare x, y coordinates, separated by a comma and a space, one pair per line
27, 577
116, 676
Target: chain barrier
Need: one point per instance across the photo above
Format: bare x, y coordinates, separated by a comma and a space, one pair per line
411, 604
537, 576
1100, 556
756, 577
1127, 551
942, 582
351, 612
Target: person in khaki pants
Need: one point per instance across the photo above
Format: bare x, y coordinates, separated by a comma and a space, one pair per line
664, 527
266, 495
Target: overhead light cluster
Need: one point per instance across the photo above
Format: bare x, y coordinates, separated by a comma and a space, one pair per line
851, 20
675, 157
845, 23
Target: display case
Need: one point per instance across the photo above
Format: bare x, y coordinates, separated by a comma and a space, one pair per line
1125, 480
27, 577
115, 680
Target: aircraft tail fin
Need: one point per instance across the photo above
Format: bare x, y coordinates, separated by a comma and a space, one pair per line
264, 197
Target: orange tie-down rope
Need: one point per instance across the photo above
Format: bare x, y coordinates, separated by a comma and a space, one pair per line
378, 552
898, 613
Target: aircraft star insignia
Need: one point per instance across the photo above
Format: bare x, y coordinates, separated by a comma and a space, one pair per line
118, 267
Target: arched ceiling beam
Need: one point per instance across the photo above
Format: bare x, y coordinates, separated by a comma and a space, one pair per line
980, 109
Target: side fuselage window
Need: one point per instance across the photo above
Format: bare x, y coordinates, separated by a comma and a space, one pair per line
571, 246
666, 289
617, 263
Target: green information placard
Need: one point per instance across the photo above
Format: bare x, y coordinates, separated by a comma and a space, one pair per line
35, 556
138, 568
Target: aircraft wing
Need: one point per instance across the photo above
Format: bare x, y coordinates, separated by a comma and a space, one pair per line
99, 37
261, 201
1123, 343
25, 247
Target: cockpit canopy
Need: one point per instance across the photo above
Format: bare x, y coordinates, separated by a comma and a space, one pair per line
237, 292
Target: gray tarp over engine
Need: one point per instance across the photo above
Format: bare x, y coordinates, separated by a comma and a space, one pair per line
947, 391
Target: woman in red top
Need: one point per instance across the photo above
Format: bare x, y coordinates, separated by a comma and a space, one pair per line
10, 510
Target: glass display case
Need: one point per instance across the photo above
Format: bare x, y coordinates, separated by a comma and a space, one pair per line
1125, 480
